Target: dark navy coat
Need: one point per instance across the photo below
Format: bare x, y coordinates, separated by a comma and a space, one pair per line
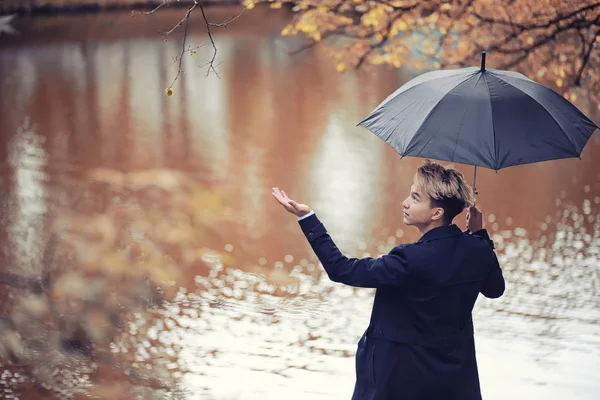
419, 344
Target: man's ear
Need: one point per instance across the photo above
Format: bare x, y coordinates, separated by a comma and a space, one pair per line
438, 214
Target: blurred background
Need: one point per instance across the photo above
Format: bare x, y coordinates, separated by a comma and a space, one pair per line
141, 253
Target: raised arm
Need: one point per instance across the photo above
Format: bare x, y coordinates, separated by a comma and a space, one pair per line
388, 270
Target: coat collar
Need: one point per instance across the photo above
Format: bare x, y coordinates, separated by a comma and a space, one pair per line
440, 232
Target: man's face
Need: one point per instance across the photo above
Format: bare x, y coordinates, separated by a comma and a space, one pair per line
417, 208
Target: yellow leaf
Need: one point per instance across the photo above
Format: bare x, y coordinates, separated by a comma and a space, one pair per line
559, 82
250, 4
572, 97
275, 5
401, 25
340, 67
380, 59
561, 73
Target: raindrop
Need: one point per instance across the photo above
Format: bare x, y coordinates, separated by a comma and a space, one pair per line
586, 188
399, 233
509, 221
229, 247
262, 261
278, 264
492, 218
289, 258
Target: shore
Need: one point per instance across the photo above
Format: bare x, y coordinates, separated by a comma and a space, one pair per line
83, 6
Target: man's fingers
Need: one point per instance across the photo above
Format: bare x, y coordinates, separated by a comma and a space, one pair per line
277, 195
289, 205
294, 204
281, 193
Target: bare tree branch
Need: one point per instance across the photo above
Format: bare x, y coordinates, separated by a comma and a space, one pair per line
158, 7
211, 65
185, 21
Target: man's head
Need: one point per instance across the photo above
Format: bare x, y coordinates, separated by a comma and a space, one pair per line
438, 194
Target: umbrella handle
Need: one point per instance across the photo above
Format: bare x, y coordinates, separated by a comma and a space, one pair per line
475, 181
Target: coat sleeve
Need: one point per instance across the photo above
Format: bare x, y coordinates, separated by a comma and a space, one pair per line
388, 270
493, 286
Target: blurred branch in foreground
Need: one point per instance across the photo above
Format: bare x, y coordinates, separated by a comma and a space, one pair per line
77, 329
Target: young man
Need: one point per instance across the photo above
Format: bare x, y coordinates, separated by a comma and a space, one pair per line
419, 343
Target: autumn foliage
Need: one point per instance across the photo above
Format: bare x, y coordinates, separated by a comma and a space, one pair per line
554, 42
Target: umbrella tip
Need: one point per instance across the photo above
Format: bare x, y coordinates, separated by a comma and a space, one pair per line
483, 53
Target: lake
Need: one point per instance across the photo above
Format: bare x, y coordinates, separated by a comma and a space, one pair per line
88, 136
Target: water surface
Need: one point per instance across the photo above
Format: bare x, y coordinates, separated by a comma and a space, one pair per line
89, 139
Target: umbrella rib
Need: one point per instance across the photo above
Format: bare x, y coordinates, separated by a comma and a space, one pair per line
493, 126
429, 114
408, 106
396, 94
463, 117
547, 112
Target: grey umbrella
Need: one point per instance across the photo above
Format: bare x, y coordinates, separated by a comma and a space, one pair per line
482, 117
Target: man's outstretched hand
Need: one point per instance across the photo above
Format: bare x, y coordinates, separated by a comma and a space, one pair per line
290, 205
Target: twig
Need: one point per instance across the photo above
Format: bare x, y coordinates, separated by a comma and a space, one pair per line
227, 21
185, 22
187, 17
164, 2
586, 58
211, 65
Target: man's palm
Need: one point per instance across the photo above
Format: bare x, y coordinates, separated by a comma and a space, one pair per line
290, 205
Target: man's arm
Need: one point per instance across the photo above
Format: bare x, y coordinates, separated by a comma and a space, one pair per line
387, 270
494, 285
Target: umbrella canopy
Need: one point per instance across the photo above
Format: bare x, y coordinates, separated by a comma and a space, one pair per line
482, 117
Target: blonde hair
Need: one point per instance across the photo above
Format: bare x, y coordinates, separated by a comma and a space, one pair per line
446, 188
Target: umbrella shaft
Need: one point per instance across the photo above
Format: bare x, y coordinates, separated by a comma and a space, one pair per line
475, 181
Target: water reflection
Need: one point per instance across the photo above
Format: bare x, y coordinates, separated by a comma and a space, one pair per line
187, 178
28, 203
